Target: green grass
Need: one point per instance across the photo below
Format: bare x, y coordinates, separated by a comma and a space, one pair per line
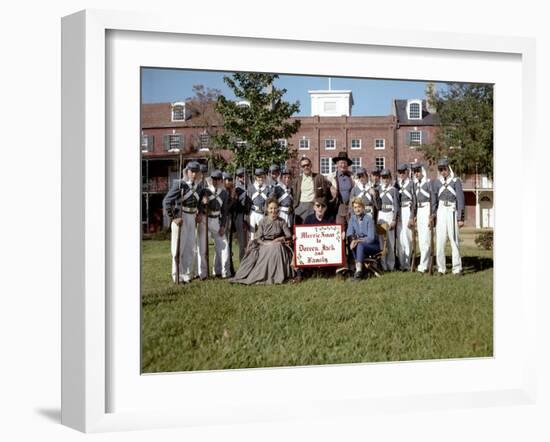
402, 316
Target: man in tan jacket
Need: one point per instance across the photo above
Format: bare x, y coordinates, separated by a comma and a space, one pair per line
305, 188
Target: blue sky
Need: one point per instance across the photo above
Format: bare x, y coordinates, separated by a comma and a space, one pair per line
371, 96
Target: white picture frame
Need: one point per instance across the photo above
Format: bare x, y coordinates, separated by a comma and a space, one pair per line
88, 168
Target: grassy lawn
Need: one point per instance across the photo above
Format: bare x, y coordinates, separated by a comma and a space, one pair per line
402, 316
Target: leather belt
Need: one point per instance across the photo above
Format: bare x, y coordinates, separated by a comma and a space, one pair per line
189, 209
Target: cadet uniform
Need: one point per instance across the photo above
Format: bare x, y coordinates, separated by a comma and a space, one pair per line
285, 199
182, 201
273, 179
231, 206
241, 208
450, 210
369, 195
258, 195
217, 219
407, 206
374, 180
425, 211
389, 208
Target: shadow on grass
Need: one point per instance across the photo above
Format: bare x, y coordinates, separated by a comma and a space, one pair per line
472, 264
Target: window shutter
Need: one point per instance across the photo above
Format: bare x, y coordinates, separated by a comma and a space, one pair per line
423, 137
151, 143
408, 139
166, 142
180, 142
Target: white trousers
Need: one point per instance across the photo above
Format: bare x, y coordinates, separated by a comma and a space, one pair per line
447, 228
404, 238
287, 217
424, 237
187, 247
388, 261
221, 246
255, 219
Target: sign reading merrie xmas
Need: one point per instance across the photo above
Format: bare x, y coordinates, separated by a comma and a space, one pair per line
318, 245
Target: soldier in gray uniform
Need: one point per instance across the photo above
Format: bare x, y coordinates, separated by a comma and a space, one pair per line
375, 178
215, 213
257, 193
365, 190
181, 205
387, 216
405, 220
241, 209
274, 176
231, 207
425, 215
449, 215
283, 193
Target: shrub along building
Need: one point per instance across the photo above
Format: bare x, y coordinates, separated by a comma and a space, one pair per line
171, 132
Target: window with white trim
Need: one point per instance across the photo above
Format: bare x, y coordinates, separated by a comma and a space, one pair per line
414, 110
282, 143
173, 142
303, 144
356, 143
379, 143
330, 143
380, 162
147, 143
355, 164
415, 138
204, 141
178, 112
327, 166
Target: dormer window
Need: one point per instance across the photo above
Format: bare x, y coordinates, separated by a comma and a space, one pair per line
414, 110
178, 112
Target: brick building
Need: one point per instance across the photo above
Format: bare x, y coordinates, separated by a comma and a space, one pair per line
171, 133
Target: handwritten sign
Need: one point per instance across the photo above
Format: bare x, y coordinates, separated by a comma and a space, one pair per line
318, 245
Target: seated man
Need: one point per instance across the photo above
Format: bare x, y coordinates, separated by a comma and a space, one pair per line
362, 236
319, 216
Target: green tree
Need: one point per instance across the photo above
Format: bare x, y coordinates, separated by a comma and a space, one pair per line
255, 125
465, 132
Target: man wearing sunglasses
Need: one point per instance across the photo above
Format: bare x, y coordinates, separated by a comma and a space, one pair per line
449, 215
305, 188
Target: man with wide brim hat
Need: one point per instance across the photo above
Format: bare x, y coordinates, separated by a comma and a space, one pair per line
257, 193
449, 215
389, 209
342, 184
181, 204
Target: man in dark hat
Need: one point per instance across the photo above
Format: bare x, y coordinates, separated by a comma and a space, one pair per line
216, 197
305, 188
283, 192
341, 185
405, 219
181, 205
258, 194
389, 210
241, 209
424, 216
449, 215
368, 194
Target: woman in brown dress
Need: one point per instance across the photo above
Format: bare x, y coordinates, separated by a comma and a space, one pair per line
268, 259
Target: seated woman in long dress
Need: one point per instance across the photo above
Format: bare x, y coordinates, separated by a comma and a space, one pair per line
268, 258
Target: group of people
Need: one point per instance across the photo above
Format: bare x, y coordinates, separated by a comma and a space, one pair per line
377, 213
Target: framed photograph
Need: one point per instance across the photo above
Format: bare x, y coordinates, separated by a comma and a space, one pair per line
105, 386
